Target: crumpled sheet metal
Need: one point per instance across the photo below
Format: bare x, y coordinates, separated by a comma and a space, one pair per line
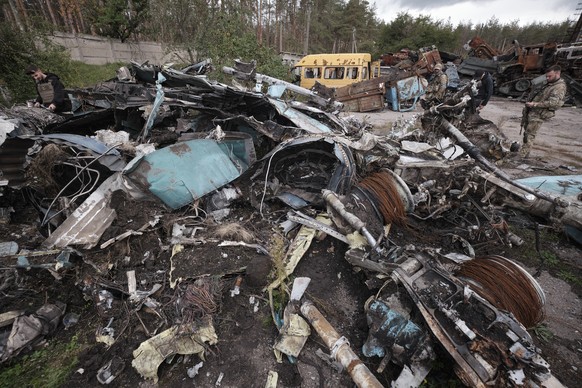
184, 172
88, 222
293, 336
151, 353
108, 156
341, 175
298, 118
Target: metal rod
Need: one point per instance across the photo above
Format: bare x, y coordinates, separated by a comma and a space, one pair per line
340, 348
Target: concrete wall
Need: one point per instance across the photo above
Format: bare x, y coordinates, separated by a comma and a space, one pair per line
97, 50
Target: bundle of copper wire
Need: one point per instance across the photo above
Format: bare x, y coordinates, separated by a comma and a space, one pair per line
383, 190
506, 286
199, 299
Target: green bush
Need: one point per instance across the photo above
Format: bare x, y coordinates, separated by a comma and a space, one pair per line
20, 49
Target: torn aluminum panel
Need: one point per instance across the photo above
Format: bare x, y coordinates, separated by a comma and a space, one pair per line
155, 106
107, 156
486, 343
86, 224
186, 171
247, 71
176, 340
298, 118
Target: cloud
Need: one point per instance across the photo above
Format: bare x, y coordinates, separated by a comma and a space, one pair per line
457, 11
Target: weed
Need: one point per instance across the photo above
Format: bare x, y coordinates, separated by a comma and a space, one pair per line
549, 258
543, 332
47, 367
569, 277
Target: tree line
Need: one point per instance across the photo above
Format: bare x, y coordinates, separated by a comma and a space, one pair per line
298, 26
247, 29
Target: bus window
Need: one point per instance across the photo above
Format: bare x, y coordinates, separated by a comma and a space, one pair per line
333, 73
311, 72
352, 73
364, 73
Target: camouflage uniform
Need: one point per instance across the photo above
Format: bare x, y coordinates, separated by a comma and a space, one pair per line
549, 99
435, 91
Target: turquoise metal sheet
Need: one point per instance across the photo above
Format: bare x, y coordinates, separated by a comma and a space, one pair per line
563, 185
183, 172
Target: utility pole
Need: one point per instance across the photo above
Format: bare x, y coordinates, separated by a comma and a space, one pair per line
306, 44
354, 44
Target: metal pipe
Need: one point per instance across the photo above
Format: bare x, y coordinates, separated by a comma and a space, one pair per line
340, 348
473, 151
331, 198
275, 81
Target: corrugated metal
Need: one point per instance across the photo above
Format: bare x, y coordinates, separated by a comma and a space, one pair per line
12, 160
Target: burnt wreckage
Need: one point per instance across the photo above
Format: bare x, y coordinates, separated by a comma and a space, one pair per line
177, 141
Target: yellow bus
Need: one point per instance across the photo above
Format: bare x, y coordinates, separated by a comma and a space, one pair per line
336, 70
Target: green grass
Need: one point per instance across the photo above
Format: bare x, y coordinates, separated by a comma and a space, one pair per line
48, 367
84, 75
550, 259
569, 277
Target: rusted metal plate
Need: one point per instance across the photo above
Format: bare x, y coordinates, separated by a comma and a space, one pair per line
365, 104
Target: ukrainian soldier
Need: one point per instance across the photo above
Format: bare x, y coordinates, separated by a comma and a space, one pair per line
542, 106
50, 89
435, 91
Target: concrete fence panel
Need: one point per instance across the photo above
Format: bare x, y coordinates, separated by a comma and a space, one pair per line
98, 50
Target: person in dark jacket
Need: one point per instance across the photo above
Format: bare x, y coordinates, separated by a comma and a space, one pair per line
484, 89
50, 89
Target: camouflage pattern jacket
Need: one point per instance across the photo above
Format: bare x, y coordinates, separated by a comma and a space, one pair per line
549, 99
437, 87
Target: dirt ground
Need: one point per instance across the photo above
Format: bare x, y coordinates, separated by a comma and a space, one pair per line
243, 355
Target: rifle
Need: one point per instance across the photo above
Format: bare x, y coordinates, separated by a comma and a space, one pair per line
524, 114
533, 94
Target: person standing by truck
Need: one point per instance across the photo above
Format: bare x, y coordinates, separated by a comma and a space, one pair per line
541, 106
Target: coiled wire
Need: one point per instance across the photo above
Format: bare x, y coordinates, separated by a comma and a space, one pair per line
507, 286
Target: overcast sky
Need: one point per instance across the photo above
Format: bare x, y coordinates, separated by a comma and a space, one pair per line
506, 11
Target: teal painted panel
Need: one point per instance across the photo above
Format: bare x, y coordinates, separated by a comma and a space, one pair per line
565, 185
185, 171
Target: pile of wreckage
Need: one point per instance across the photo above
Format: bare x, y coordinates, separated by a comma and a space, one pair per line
195, 149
